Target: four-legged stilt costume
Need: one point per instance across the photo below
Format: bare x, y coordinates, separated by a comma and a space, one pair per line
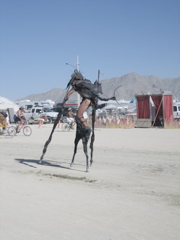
90, 94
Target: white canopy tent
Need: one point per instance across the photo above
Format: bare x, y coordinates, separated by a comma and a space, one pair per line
6, 103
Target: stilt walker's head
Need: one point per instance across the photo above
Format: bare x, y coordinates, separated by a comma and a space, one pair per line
76, 76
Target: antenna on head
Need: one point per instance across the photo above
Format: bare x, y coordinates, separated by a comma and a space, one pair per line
77, 64
98, 75
99, 72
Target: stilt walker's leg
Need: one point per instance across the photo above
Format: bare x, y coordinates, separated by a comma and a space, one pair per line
93, 135
50, 137
85, 142
76, 141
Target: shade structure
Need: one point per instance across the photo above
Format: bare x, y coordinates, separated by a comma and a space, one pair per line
154, 109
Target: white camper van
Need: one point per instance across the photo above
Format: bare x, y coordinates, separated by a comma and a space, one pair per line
30, 104
176, 110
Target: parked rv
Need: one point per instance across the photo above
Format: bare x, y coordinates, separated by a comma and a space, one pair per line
31, 104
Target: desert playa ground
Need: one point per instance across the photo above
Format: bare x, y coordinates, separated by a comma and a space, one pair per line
132, 191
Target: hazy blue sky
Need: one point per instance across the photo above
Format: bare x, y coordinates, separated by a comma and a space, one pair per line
38, 37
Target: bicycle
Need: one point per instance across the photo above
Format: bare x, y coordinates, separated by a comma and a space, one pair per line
26, 129
8, 131
65, 125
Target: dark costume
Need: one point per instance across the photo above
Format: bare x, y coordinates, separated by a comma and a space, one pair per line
87, 91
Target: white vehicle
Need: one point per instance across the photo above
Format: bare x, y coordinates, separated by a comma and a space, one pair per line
51, 114
38, 112
176, 111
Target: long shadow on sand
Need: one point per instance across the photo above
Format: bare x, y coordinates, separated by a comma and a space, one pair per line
29, 162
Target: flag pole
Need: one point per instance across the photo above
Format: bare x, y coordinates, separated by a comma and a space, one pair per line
77, 67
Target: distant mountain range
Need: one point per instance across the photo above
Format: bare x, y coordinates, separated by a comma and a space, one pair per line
129, 85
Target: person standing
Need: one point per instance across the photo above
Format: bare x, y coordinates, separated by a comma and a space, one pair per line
89, 93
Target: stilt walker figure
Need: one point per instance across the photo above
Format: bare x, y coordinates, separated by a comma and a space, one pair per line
90, 94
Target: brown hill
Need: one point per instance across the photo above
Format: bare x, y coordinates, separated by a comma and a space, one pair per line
131, 84
134, 83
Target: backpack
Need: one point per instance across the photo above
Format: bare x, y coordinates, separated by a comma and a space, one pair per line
4, 114
98, 87
14, 117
